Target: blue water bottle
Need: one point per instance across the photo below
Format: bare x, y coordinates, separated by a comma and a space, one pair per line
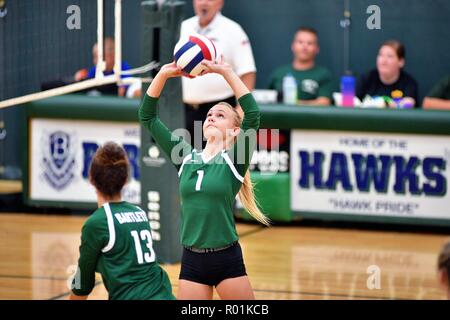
348, 90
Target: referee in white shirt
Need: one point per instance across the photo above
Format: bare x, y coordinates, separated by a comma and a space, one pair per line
203, 92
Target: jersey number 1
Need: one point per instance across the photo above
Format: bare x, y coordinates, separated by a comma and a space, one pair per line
198, 185
145, 235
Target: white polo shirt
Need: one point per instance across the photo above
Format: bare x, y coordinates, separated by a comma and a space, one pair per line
231, 41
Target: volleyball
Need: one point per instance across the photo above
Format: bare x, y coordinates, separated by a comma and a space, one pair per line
190, 52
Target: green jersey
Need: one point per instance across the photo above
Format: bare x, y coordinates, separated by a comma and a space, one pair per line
441, 90
311, 84
116, 241
208, 187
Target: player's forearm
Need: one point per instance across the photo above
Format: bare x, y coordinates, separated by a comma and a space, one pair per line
239, 88
148, 111
157, 85
249, 79
251, 110
242, 151
148, 116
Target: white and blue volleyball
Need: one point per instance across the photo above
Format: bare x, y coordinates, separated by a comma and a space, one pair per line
190, 52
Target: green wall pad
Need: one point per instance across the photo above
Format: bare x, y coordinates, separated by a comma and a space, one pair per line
273, 194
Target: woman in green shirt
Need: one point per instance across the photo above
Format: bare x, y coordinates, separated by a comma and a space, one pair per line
209, 182
116, 239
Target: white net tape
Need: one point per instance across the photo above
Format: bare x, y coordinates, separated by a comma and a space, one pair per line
82, 85
99, 79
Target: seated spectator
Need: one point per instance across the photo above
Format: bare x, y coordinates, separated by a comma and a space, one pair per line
314, 83
83, 74
108, 56
439, 97
135, 88
388, 79
444, 268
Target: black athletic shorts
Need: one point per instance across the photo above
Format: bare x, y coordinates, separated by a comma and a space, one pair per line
211, 268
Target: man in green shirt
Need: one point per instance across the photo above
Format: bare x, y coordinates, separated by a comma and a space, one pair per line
439, 96
314, 83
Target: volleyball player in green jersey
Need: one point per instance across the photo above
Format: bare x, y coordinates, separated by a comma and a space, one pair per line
209, 182
116, 239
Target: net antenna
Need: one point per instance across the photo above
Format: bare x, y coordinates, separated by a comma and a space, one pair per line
101, 65
118, 39
100, 79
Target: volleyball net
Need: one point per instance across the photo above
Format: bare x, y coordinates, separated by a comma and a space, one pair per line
29, 61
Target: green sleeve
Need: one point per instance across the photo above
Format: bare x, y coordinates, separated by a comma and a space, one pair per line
272, 82
94, 237
441, 90
326, 86
168, 142
242, 151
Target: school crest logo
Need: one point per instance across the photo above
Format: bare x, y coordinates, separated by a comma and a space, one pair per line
58, 158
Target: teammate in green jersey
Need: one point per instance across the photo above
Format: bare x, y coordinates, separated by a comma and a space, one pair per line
209, 183
116, 239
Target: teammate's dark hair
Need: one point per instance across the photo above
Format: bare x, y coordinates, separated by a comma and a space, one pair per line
443, 262
109, 169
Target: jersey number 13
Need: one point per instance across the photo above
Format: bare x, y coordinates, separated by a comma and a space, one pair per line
144, 255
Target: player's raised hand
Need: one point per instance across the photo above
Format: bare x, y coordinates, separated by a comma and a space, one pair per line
171, 70
220, 67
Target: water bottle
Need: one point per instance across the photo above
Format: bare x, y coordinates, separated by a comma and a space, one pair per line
289, 89
348, 90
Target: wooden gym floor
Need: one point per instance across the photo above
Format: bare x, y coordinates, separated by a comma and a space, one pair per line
293, 262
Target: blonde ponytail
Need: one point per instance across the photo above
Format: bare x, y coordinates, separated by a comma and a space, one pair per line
247, 197
246, 194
